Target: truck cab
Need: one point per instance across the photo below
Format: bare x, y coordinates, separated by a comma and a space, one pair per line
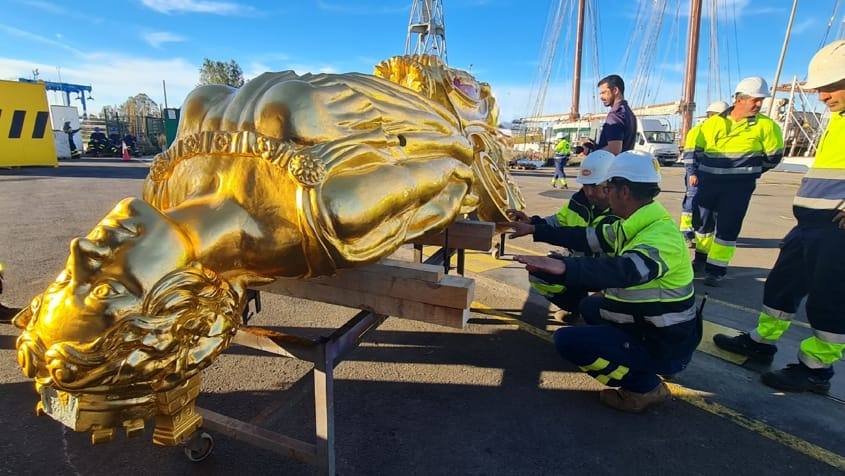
656, 137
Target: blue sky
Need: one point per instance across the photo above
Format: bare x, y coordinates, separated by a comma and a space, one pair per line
123, 48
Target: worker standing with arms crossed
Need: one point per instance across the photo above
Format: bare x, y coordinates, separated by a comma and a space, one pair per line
811, 262
561, 158
689, 209
732, 150
645, 323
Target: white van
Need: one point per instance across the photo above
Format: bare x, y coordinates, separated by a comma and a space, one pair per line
655, 136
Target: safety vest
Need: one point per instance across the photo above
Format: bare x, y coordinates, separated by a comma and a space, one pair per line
668, 299
562, 147
822, 190
688, 156
729, 150
577, 211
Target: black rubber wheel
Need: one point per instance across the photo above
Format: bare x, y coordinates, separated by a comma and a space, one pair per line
200, 447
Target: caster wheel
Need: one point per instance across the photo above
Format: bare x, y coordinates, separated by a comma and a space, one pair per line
200, 447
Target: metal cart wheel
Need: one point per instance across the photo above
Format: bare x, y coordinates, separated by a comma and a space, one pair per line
199, 447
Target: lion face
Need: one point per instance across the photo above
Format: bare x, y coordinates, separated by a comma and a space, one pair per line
122, 313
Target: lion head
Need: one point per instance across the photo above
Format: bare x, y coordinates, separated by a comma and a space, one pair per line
131, 313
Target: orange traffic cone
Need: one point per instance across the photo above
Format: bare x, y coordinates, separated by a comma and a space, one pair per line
126, 156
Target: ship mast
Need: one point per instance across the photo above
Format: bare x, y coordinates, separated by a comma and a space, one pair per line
575, 114
687, 106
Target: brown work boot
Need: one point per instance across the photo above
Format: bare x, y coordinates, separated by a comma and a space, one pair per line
633, 402
7, 313
567, 317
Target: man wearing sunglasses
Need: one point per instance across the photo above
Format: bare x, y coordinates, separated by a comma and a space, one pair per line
588, 207
644, 324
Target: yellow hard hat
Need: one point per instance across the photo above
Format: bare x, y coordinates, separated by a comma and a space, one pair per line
827, 66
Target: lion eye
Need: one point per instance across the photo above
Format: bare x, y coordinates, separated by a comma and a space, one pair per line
105, 291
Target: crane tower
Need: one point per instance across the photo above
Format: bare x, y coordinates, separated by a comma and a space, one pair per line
426, 29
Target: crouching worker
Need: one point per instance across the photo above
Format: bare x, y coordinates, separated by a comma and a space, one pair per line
645, 323
588, 207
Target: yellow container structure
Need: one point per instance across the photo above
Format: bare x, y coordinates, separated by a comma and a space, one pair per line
26, 137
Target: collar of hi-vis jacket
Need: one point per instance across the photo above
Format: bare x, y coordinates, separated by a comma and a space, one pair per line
642, 218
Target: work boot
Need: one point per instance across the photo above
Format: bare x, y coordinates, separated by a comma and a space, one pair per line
565, 185
799, 378
713, 280
633, 402
567, 317
554, 183
7, 313
743, 344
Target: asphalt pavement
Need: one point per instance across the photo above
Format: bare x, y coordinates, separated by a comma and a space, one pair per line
414, 398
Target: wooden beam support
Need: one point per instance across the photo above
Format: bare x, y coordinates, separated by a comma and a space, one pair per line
391, 288
463, 234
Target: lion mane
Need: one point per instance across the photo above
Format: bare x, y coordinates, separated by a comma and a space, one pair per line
186, 320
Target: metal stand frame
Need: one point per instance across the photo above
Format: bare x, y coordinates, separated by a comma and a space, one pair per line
325, 353
443, 256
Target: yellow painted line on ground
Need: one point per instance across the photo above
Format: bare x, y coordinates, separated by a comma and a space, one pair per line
524, 250
697, 400
708, 347
497, 315
802, 446
475, 261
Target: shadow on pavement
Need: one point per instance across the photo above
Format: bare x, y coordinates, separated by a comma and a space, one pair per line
744, 242
428, 421
75, 171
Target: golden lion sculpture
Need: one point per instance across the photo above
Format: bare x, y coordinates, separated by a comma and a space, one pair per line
287, 177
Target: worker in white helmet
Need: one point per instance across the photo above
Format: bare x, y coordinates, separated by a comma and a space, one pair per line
731, 150
811, 262
689, 210
589, 207
644, 324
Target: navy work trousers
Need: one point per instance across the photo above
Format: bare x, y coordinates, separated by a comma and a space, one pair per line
611, 355
811, 263
689, 205
722, 206
569, 299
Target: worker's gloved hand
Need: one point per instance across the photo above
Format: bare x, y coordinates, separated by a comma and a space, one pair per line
520, 229
518, 215
542, 264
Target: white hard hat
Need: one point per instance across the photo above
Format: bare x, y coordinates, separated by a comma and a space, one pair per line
753, 86
635, 166
717, 107
827, 66
594, 168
